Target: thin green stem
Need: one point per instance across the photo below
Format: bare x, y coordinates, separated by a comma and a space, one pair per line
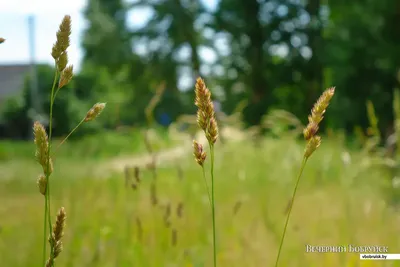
205, 182
73, 130
213, 203
47, 195
44, 232
290, 209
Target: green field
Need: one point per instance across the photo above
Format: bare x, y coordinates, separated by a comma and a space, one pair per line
342, 199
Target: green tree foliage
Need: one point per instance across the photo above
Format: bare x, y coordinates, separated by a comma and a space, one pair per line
266, 53
17, 115
106, 41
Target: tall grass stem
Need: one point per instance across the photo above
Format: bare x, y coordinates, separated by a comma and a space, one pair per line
213, 203
47, 195
290, 209
206, 184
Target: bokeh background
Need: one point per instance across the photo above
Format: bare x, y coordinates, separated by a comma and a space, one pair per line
265, 62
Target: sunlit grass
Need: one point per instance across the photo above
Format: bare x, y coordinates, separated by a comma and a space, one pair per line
338, 203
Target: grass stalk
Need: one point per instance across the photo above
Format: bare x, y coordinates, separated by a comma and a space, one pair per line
213, 204
206, 184
47, 195
70, 133
290, 209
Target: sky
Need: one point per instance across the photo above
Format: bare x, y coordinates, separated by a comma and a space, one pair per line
48, 14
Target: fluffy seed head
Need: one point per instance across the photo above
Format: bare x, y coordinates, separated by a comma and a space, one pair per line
312, 145
66, 76
58, 247
58, 227
199, 154
310, 130
212, 131
317, 113
62, 61
2, 40
95, 111
203, 102
42, 145
63, 40
320, 106
42, 184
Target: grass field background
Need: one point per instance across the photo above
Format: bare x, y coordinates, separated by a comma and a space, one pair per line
344, 198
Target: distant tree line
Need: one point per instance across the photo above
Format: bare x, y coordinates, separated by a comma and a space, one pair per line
272, 53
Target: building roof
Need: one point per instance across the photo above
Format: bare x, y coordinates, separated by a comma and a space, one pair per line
12, 79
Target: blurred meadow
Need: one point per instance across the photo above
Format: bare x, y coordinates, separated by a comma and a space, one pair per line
132, 190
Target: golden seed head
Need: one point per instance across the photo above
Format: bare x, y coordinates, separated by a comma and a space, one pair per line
42, 184
199, 154
320, 106
202, 119
95, 111
312, 145
62, 61
42, 144
203, 102
2, 40
66, 76
310, 130
212, 131
317, 113
63, 40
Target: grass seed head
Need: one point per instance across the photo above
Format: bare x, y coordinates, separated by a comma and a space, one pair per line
317, 112
62, 61
316, 116
42, 184
312, 145
63, 40
58, 227
199, 154
310, 130
66, 76
203, 102
212, 131
95, 111
42, 144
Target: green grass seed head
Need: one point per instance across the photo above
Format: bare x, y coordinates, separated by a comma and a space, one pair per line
42, 147
63, 40
66, 76
42, 184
